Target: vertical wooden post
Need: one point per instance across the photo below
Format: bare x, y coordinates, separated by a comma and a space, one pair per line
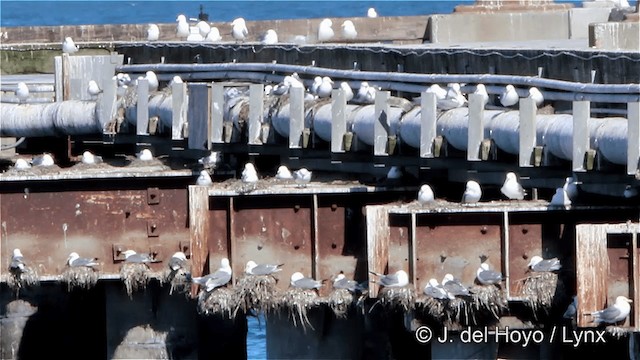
581, 114
381, 123
412, 252
592, 268
142, 108
633, 139
475, 134
217, 113
198, 230
527, 132
377, 242
428, 120
256, 92
178, 109
296, 117
338, 120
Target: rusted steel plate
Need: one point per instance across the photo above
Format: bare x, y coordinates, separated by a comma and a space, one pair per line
47, 226
274, 230
450, 243
525, 241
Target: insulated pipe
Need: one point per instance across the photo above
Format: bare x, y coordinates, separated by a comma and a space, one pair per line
72, 117
390, 76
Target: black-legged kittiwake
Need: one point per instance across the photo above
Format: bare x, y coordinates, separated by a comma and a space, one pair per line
153, 80
178, 261
325, 88
212, 160
239, 30
68, 46
341, 282
348, 92
90, 158
435, 290
153, 32
509, 96
22, 92
317, 81
301, 282
302, 176
454, 287
325, 32
131, 256
571, 187
572, 309
472, 192
74, 260
349, 30
284, 173
453, 99
17, 261
182, 28
261, 269
204, 179
372, 13
366, 94
213, 35
438, 91
614, 313
145, 155
536, 95
486, 276
425, 194
93, 89
482, 91
560, 198
203, 28
249, 174
43, 160
511, 188
21, 164
398, 279
539, 264
219, 278
269, 38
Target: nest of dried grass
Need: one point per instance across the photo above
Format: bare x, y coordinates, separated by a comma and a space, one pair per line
617, 331
220, 301
427, 306
341, 301
297, 302
256, 292
135, 277
402, 298
489, 300
539, 290
80, 277
177, 280
20, 279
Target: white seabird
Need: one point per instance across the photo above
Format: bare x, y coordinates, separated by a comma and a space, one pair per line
454, 287
178, 261
74, 260
43, 160
261, 269
372, 13
219, 278
486, 276
17, 261
195, 37
348, 93
239, 30
131, 256
325, 32
438, 91
299, 281
68, 46
571, 188
536, 95
544, 265
572, 309
284, 173
302, 176
212, 160
509, 96
313, 89
512, 188
325, 88
213, 35
204, 179
453, 99
614, 313
22, 164
123, 79
435, 290
203, 28
560, 198
153, 32
472, 192
145, 155
398, 279
93, 89
341, 282
89, 158
366, 94
270, 37
153, 80
425, 194
249, 174
349, 30
482, 91
182, 28
22, 92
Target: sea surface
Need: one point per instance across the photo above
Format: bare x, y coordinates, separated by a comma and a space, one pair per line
39, 13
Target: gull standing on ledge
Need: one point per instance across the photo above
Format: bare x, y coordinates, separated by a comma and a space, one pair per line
153, 32
348, 93
325, 88
325, 32
249, 174
219, 278
239, 31
68, 46
204, 179
372, 13
349, 30
93, 89
512, 188
482, 91
614, 313
270, 37
536, 95
213, 35
509, 96
284, 173
182, 29
472, 192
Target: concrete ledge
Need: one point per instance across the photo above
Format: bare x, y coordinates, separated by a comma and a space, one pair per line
581, 18
522, 26
615, 36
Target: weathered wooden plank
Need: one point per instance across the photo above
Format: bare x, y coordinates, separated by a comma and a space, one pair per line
633, 138
296, 117
217, 113
413, 251
635, 281
256, 93
198, 116
178, 109
199, 230
338, 120
377, 242
381, 128
475, 134
592, 267
142, 108
429, 118
58, 78
527, 132
581, 114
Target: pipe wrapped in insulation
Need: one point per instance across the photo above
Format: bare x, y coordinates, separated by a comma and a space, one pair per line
72, 117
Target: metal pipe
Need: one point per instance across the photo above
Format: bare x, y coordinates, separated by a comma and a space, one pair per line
389, 76
71, 117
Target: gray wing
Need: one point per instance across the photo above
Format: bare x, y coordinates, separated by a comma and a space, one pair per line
455, 288
215, 280
607, 315
548, 265
138, 258
79, 262
17, 263
265, 269
345, 283
434, 292
489, 276
389, 280
37, 161
306, 283
175, 264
